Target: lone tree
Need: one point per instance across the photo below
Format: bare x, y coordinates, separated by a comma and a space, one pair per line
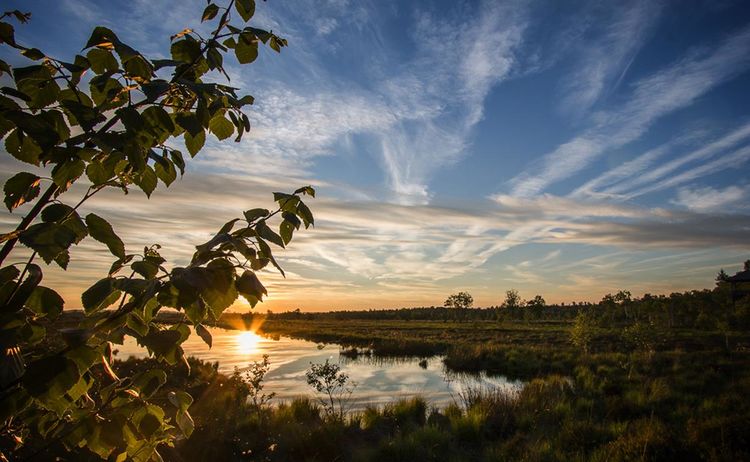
536, 302
512, 299
111, 118
459, 300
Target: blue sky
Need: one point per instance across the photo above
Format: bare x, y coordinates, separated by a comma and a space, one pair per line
567, 149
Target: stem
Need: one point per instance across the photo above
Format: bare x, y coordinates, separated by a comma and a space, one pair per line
43, 200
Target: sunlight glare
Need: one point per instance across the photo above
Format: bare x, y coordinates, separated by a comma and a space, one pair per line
247, 342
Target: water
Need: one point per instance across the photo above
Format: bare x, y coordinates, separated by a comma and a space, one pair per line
378, 381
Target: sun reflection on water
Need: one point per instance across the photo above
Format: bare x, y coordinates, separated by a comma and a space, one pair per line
247, 342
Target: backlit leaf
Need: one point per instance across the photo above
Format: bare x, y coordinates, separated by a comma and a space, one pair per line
21, 187
102, 231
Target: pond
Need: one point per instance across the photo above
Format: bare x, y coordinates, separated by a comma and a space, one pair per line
378, 381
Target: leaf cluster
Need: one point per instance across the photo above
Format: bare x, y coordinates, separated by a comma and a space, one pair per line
113, 118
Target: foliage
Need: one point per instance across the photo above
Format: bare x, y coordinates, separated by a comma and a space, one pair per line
251, 381
582, 332
536, 302
512, 299
459, 300
721, 277
328, 380
112, 118
680, 406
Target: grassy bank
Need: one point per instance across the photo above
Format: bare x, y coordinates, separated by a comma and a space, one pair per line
613, 407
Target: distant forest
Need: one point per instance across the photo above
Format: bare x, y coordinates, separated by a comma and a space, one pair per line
726, 306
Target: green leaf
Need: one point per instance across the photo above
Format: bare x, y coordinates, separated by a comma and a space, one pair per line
265, 252
9, 273
253, 214
97, 174
100, 295
33, 53
210, 12
149, 382
21, 187
68, 217
189, 122
66, 173
81, 114
158, 119
22, 147
102, 231
45, 301
166, 172
186, 50
162, 343
246, 52
249, 284
50, 377
185, 422
180, 399
246, 9
7, 33
48, 239
135, 322
119, 263
178, 160
247, 99
105, 92
38, 83
309, 190
84, 356
267, 233
101, 37
221, 127
147, 180
139, 69
204, 334
145, 268
195, 143
24, 291
220, 291
228, 226
304, 212
149, 423
286, 230
102, 61
62, 259
292, 218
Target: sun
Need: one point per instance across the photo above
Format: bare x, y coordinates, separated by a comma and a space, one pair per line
247, 342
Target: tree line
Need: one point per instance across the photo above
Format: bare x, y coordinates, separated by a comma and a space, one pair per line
703, 309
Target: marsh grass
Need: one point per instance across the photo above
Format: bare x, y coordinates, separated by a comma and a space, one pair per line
674, 406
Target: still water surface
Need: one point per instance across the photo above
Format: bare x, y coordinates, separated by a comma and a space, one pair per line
378, 381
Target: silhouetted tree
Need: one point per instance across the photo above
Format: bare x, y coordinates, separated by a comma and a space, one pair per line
723, 276
512, 299
459, 300
536, 302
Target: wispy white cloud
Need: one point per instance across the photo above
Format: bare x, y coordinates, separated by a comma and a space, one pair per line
645, 178
457, 65
603, 62
672, 88
731, 160
708, 199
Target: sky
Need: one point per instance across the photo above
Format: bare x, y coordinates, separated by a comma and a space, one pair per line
562, 148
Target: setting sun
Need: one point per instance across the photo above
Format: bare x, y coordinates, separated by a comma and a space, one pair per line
247, 342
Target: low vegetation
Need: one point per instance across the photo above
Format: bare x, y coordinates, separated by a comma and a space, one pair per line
653, 378
613, 406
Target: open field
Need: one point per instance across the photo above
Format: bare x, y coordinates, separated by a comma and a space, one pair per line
682, 397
